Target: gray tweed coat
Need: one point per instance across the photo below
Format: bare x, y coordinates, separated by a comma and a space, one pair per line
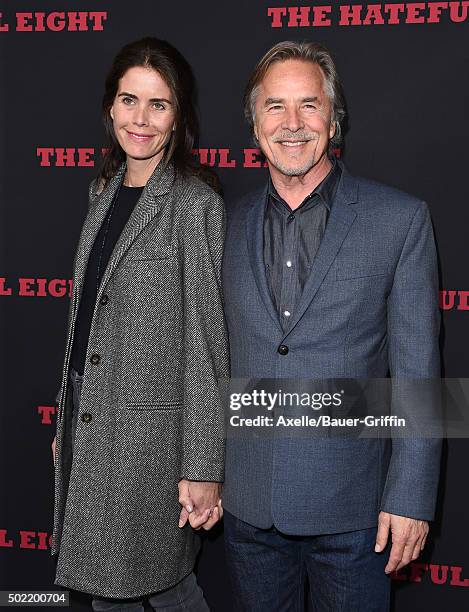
150, 412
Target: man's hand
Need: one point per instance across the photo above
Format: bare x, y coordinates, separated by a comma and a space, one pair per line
201, 503
408, 537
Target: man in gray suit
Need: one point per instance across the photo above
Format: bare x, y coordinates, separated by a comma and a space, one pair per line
322, 274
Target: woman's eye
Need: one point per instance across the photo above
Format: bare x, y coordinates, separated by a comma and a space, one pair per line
127, 100
159, 106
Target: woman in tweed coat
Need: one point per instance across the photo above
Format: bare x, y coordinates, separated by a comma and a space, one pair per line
139, 448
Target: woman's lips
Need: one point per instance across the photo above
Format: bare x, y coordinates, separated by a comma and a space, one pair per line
139, 137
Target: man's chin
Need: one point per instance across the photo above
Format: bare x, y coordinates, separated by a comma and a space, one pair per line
291, 170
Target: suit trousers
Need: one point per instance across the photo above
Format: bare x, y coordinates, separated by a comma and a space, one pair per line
185, 596
268, 570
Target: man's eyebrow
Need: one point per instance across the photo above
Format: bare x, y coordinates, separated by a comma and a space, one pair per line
281, 100
134, 97
273, 101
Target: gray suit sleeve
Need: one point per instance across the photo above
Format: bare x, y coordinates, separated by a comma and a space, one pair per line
413, 330
205, 342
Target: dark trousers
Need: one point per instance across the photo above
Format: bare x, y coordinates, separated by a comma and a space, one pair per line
185, 596
268, 570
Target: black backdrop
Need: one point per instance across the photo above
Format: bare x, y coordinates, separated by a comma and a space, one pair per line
407, 93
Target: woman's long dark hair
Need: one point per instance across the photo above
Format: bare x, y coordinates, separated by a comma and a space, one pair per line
158, 54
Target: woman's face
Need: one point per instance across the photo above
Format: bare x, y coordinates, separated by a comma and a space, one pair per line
143, 114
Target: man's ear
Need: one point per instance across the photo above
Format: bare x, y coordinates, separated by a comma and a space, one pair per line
254, 129
332, 129
111, 113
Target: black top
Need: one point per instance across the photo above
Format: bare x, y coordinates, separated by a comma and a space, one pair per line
292, 238
116, 218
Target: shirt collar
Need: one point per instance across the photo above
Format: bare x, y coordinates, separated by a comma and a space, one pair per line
326, 190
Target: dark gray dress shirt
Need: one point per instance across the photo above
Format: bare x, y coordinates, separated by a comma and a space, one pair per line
292, 238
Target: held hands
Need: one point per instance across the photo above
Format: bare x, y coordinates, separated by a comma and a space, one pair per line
201, 503
408, 539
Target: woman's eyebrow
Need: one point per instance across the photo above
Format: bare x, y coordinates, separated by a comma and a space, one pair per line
133, 96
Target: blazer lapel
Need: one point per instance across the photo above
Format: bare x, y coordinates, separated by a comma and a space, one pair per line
338, 225
255, 240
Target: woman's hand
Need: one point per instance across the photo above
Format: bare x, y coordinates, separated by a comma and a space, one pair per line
201, 503
53, 449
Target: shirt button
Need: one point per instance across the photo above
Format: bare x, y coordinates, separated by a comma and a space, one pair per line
287, 313
291, 217
95, 359
288, 263
104, 299
282, 349
86, 417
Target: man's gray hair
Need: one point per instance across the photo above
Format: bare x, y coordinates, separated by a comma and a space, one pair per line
308, 52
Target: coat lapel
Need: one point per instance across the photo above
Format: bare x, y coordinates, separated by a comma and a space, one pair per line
98, 207
338, 225
148, 205
255, 240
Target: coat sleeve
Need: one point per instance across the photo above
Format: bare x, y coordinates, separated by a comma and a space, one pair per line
413, 349
205, 342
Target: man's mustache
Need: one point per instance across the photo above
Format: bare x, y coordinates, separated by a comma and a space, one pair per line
295, 136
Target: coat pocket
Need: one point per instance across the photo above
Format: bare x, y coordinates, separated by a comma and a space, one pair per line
159, 405
150, 252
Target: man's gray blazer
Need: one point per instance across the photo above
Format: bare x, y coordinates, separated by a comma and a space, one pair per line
369, 309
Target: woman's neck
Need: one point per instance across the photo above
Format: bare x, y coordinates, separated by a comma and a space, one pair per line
138, 171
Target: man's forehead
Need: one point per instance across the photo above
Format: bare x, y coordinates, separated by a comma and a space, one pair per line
293, 74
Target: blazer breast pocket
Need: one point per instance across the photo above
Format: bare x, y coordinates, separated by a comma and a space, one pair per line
356, 272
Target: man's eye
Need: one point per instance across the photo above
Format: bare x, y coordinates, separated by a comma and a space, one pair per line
159, 106
127, 100
310, 107
275, 107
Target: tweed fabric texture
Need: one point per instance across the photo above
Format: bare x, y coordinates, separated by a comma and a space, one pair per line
369, 309
152, 395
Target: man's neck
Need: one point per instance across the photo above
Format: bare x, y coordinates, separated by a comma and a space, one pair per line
294, 189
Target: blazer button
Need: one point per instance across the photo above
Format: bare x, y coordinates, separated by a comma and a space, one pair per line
86, 417
95, 359
282, 349
104, 299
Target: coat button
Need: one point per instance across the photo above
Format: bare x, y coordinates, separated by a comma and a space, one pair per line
86, 417
282, 349
104, 299
95, 359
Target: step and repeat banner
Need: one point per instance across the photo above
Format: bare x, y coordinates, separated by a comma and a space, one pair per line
404, 71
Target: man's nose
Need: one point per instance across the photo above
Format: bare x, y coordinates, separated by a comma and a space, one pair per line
292, 119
